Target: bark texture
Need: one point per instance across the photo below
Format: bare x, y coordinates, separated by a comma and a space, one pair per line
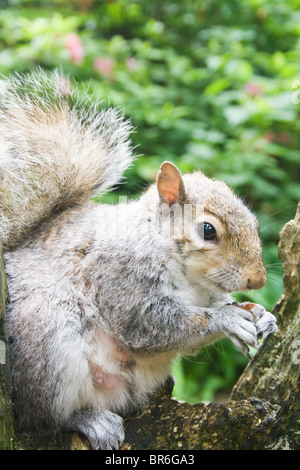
6, 418
264, 409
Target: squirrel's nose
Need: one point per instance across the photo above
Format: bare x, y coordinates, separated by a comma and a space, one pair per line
257, 279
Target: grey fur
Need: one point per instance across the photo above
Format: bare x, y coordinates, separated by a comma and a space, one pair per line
56, 150
100, 301
103, 429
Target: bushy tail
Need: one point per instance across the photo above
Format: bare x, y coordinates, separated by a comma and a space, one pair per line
56, 150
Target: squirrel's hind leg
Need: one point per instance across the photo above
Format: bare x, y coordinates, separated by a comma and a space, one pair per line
103, 429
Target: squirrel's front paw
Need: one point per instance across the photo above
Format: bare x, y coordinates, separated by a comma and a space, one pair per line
265, 322
235, 323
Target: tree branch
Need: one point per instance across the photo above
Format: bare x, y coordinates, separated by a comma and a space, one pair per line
6, 417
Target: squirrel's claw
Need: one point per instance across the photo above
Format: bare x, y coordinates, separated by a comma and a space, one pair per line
265, 322
104, 429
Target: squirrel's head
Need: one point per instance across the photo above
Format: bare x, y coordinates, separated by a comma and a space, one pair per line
216, 236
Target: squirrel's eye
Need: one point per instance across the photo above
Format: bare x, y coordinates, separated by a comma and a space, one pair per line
207, 232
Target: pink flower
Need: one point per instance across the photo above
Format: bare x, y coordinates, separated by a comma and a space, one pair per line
105, 65
269, 136
74, 45
131, 64
284, 137
253, 89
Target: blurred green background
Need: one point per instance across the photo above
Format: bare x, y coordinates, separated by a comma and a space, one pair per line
207, 84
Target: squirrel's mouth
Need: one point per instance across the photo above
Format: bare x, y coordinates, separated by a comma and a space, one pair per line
221, 281
213, 286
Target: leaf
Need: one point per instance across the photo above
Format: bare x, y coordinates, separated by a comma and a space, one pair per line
217, 86
236, 115
201, 150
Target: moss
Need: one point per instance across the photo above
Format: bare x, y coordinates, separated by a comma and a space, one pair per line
6, 416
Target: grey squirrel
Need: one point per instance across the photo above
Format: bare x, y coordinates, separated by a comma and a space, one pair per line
102, 298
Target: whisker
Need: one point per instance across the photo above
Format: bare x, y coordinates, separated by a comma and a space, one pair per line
265, 227
217, 274
277, 212
272, 264
275, 279
211, 276
192, 360
210, 294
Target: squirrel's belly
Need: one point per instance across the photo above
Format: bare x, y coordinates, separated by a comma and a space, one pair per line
109, 366
104, 380
120, 373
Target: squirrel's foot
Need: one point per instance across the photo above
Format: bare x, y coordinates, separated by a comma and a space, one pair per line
265, 321
103, 429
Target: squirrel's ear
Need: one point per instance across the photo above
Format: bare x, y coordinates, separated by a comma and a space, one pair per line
170, 184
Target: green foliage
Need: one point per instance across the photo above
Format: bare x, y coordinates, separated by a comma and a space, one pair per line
210, 374
208, 84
